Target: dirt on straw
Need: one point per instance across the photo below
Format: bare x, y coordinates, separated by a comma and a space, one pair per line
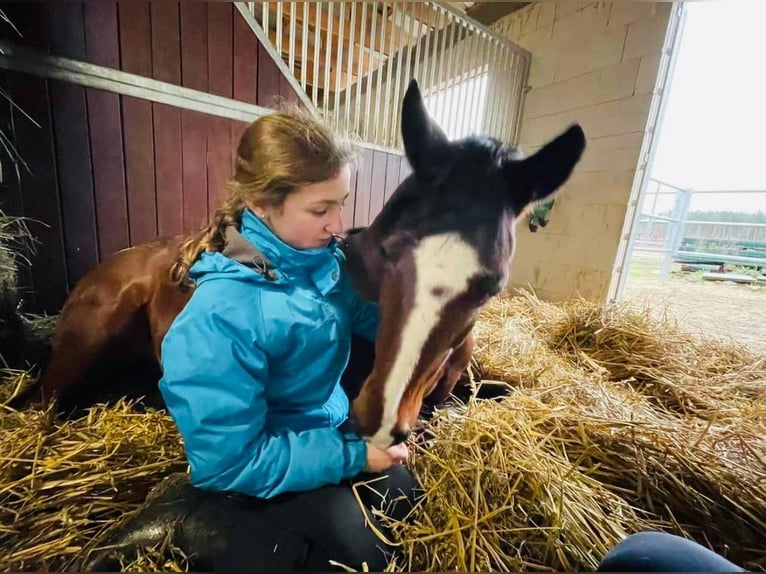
614, 423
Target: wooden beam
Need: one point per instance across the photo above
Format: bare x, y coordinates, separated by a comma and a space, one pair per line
490, 12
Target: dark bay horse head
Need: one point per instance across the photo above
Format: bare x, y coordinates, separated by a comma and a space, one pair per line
437, 252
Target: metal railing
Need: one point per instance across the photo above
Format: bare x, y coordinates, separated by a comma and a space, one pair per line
353, 61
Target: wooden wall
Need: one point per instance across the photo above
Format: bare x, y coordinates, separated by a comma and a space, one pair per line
110, 171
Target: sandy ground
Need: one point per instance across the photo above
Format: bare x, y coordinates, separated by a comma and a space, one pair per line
730, 312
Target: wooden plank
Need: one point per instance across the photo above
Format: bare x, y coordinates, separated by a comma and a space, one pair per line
363, 189
72, 137
286, 91
105, 116
348, 208
393, 165
194, 74
138, 126
40, 191
245, 61
166, 66
268, 80
378, 185
220, 74
166, 42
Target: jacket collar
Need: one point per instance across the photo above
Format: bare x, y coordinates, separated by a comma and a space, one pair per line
256, 246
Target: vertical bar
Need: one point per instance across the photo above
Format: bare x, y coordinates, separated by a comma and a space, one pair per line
450, 78
278, 23
455, 107
304, 44
440, 81
418, 38
375, 59
327, 61
362, 37
265, 18
317, 52
472, 87
483, 105
525, 63
389, 70
376, 124
291, 48
440, 22
339, 65
423, 79
508, 63
399, 58
515, 93
350, 69
409, 71
489, 125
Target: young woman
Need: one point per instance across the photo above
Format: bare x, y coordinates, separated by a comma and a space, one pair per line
252, 365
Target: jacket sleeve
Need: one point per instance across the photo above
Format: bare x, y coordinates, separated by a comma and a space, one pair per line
214, 388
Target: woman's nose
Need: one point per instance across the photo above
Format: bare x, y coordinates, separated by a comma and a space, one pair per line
336, 225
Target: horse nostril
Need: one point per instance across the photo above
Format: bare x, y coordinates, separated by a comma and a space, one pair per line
400, 436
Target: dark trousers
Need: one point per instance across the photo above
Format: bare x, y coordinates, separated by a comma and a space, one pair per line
294, 532
662, 552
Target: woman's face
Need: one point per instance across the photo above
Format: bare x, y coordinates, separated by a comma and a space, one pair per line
311, 215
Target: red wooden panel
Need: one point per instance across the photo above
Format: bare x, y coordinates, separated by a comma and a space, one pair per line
136, 50
106, 132
40, 191
245, 61
166, 66
268, 80
166, 42
101, 33
363, 189
348, 208
378, 185
73, 161
405, 170
220, 18
194, 74
392, 176
168, 172
66, 30
286, 91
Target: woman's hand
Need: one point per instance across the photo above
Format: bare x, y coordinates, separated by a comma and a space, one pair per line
379, 460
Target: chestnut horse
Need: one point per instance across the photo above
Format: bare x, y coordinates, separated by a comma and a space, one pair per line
436, 253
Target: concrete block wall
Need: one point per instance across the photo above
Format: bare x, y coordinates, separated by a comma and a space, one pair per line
595, 63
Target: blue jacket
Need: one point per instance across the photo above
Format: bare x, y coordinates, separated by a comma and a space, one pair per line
252, 367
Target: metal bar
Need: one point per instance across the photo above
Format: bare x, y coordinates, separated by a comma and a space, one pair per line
20, 59
409, 70
479, 26
363, 35
455, 107
376, 124
263, 37
317, 50
440, 76
339, 65
278, 21
350, 71
493, 91
519, 100
505, 102
466, 116
328, 59
389, 70
304, 44
265, 18
371, 76
450, 78
432, 76
291, 48
483, 93
397, 97
419, 35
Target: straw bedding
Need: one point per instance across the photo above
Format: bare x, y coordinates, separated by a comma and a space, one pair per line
613, 423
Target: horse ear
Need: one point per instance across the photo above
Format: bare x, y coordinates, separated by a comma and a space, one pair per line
422, 136
538, 176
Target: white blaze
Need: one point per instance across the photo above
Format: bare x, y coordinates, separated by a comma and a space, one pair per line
444, 263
